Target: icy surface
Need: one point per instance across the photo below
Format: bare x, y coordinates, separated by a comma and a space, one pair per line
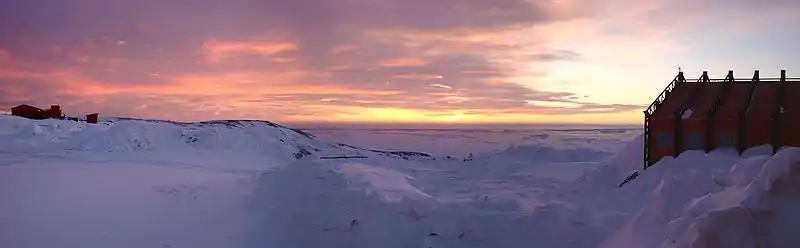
455, 140
139, 183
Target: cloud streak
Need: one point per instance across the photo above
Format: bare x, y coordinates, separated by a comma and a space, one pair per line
216, 51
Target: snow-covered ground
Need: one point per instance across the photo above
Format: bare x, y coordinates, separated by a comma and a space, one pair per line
460, 140
137, 183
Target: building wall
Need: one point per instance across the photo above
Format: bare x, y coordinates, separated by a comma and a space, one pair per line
757, 132
692, 134
790, 131
92, 118
661, 139
724, 132
27, 112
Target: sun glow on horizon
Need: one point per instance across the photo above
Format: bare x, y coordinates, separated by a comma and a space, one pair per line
457, 115
399, 115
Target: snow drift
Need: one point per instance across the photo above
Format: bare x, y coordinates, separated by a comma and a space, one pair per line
751, 211
363, 205
749, 202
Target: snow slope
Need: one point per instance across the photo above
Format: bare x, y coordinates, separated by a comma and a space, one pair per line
257, 141
130, 135
141, 183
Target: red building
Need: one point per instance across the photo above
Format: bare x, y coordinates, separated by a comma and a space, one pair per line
92, 118
717, 113
32, 112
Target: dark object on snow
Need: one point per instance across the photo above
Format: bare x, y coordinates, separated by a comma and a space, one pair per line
469, 158
301, 153
629, 178
353, 225
431, 233
403, 154
343, 157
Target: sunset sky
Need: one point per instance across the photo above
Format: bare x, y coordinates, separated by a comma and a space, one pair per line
554, 61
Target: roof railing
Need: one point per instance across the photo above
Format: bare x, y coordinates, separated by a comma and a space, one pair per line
660, 99
728, 79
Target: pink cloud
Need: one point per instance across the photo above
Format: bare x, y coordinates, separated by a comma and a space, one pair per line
220, 50
402, 62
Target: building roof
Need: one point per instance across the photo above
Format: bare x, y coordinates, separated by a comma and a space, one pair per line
25, 106
728, 97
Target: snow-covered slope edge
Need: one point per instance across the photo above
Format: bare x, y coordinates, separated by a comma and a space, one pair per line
225, 138
760, 211
750, 204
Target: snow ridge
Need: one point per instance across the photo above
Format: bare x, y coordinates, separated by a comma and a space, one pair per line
127, 135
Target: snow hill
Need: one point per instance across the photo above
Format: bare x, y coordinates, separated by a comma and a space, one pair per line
247, 139
144, 183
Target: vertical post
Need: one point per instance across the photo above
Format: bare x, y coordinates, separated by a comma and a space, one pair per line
710, 143
743, 113
646, 140
678, 135
704, 79
676, 127
778, 116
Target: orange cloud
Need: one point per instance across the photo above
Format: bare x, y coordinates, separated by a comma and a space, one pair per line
417, 76
245, 84
419, 37
219, 50
402, 62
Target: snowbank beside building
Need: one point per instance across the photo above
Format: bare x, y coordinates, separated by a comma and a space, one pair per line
749, 203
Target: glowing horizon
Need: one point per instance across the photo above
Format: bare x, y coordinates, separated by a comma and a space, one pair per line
413, 61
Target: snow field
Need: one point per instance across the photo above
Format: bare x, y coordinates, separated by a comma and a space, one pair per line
137, 183
50, 202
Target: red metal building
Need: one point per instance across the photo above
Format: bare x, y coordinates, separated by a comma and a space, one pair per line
32, 112
716, 113
92, 118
